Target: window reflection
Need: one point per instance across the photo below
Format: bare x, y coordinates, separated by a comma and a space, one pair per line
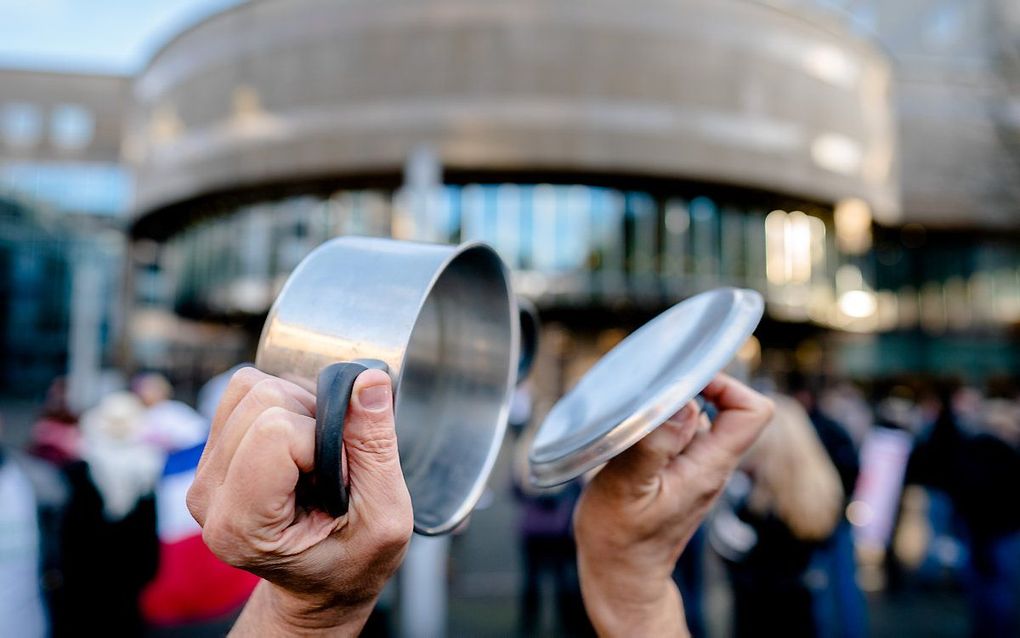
570, 242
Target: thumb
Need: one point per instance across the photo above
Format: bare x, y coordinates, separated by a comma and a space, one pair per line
370, 439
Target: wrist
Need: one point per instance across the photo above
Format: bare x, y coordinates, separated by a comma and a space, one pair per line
623, 599
274, 611
612, 616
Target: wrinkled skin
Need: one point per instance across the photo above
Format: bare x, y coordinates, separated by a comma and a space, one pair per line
321, 574
638, 513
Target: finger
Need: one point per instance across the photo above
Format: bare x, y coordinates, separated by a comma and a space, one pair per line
743, 414
241, 382
370, 439
263, 475
268, 393
638, 467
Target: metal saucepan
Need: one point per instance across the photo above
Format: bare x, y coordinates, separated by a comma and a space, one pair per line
443, 321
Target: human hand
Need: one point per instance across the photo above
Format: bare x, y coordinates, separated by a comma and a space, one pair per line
637, 515
321, 574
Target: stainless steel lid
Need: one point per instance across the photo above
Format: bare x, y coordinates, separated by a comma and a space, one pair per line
641, 382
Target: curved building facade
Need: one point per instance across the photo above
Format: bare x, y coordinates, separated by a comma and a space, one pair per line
619, 156
734, 92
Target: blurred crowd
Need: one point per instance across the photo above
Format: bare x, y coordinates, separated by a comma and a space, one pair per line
851, 490
95, 535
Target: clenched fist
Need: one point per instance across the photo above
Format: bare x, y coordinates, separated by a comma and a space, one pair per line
637, 515
321, 574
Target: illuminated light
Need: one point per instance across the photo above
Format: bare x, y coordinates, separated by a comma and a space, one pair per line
837, 153
165, 125
798, 247
1008, 286
750, 352
859, 513
858, 304
531, 283
249, 294
775, 247
853, 226
849, 277
832, 65
820, 300
248, 118
817, 245
246, 102
809, 355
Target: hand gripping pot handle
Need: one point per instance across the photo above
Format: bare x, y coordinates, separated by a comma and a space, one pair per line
332, 398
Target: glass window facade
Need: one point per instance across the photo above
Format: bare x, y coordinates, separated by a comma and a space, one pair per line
89, 187
571, 244
72, 127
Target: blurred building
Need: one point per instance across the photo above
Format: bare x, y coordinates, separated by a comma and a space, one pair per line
63, 192
951, 268
619, 156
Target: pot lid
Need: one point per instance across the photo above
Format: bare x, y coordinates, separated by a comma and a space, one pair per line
642, 382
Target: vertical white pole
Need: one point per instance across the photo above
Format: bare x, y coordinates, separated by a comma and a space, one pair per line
423, 595
84, 350
422, 579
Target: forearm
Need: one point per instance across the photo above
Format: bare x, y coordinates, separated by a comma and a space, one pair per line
272, 612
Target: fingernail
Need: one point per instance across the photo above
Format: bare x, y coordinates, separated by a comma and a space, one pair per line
685, 412
374, 398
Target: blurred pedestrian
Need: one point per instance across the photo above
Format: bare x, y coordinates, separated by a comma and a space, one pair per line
546, 537
22, 611
775, 516
109, 547
972, 453
55, 436
840, 608
191, 586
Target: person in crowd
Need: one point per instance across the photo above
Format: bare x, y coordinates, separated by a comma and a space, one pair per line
167, 424
22, 609
546, 536
840, 608
54, 443
55, 436
972, 453
784, 505
191, 587
108, 540
322, 575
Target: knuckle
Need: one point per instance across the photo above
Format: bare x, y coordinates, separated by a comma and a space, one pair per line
715, 482
269, 392
766, 408
395, 532
713, 475
247, 377
377, 441
274, 423
196, 501
215, 538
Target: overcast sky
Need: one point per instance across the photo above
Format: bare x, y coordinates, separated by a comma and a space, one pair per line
92, 35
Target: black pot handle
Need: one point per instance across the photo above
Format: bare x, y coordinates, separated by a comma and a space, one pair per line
332, 398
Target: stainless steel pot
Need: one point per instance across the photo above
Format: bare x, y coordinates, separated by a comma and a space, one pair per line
444, 323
